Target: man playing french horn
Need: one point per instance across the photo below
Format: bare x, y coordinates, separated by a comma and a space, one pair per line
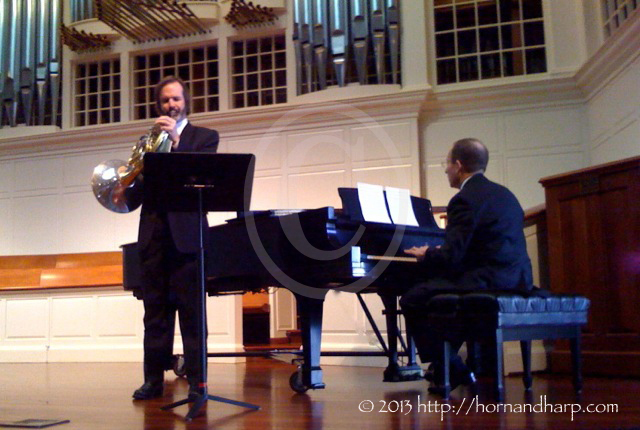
168, 246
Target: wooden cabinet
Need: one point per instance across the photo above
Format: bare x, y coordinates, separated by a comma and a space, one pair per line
593, 221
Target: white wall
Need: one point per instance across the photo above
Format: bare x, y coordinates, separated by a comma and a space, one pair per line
95, 325
525, 144
613, 113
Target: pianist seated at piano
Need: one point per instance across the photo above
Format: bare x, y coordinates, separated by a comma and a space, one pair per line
484, 248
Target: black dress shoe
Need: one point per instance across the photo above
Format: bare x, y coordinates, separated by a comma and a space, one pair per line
464, 379
430, 373
459, 374
149, 390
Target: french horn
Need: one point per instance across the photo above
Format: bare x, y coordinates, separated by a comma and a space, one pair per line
116, 184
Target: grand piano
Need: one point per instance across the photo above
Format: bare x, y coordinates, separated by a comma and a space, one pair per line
311, 252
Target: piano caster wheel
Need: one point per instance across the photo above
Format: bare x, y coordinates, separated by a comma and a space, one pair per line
295, 382
179, 367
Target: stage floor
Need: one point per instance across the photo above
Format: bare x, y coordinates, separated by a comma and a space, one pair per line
98, 396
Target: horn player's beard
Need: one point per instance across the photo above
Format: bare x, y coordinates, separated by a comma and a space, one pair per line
175, 113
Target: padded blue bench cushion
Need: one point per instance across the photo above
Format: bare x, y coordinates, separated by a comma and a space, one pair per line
515, 310
512, 310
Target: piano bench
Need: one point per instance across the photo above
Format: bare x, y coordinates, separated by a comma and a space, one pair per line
500, 317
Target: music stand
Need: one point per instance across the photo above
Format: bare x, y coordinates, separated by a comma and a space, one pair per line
199, 182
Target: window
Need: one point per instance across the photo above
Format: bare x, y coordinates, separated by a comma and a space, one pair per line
615, 12
197, 67
258, 72
97, 93
485, 39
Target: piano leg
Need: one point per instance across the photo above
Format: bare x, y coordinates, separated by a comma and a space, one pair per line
310, 314
394, 372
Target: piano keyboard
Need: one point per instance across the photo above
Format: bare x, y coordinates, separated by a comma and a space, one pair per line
406, 259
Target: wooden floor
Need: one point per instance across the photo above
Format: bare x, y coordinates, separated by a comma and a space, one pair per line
98, 396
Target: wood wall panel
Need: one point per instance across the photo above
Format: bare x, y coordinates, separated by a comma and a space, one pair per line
36, 224
393, 176
38, 175
118, 317
382, 142
27, 319
316, 149
79, 327
594, 249
549, 128
94, 269
86, 225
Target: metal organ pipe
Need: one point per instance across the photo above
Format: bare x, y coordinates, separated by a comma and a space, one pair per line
360, 41
320, 41
28, 58
393, 27
340, 34
42, 67
5, 14
29, 61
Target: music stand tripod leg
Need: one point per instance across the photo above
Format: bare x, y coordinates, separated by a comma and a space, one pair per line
203, 396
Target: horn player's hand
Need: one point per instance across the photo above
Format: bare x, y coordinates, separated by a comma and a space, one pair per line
168, 124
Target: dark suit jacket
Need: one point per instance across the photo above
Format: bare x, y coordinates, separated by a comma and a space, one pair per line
183, 225
484, 242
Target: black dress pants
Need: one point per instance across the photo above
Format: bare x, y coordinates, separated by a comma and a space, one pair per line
414, 304
169, 279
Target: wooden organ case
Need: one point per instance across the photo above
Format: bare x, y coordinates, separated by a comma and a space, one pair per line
593, 221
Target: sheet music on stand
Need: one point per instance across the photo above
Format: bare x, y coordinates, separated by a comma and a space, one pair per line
372, 203
389, 205
400, 207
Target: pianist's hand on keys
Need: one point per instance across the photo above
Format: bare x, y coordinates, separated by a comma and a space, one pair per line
417, 251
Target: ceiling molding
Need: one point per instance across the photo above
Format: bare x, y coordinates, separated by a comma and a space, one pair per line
521, 93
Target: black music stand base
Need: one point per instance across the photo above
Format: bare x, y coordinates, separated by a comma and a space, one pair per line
201, 399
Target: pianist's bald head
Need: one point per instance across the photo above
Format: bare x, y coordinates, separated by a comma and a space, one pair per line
472, 154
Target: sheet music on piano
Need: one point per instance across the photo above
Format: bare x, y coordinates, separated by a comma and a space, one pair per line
389, 205
372, 203
400, 207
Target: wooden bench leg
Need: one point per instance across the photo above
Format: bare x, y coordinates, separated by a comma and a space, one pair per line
499, 385
525, 349
576, 359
